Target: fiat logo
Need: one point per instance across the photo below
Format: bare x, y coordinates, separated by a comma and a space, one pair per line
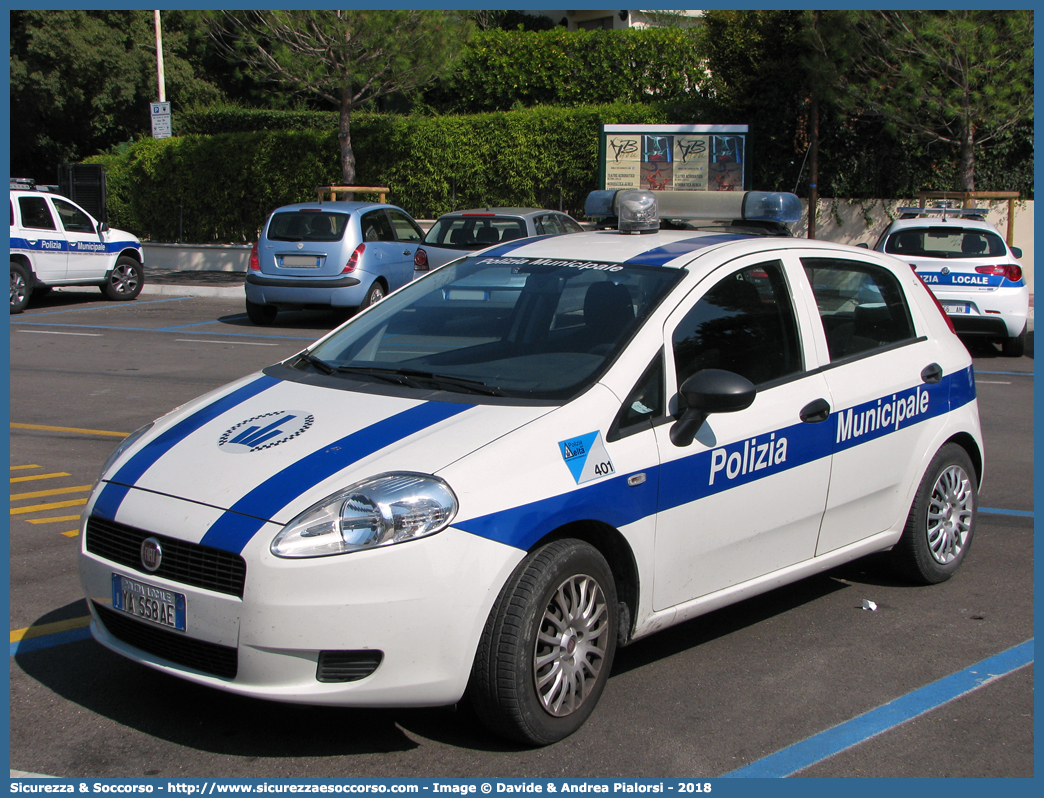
946, 270
151, 554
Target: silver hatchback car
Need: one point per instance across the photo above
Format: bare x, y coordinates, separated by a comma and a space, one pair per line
329, 254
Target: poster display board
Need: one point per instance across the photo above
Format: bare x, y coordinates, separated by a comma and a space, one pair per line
673, 157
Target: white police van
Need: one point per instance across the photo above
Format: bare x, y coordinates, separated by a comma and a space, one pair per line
485, 483
971, 269
55, 242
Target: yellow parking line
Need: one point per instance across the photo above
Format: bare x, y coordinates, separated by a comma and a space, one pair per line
35, 477
30, 632
52, 506
70, 429
39, 494
23, 468
53, 520
71, 533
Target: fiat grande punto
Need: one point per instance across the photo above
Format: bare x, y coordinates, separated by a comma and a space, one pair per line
463, 493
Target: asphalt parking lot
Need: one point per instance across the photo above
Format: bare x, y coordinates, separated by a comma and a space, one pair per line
778, 682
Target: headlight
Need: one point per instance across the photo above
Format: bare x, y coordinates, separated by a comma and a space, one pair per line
380, 511
125, 444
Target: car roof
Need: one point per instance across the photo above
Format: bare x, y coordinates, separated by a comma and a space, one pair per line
502, 212
927, 221
337, 206
670, 248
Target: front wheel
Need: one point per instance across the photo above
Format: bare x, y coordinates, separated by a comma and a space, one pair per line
20, 287
941, 523
125, 280
548, 645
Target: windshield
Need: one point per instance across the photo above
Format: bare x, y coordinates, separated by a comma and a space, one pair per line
476, 231
945, 242
514, 327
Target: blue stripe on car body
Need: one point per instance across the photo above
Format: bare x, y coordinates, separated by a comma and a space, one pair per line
234, 529
115, 490
688, 479
659, 256
62, 245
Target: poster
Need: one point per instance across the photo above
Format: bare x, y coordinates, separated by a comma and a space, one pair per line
674, 157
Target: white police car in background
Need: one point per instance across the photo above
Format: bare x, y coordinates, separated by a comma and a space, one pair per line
464, 491
55, 242
969, 267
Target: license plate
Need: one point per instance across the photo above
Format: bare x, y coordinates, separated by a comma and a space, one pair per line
149, 603
300, 262
956, 309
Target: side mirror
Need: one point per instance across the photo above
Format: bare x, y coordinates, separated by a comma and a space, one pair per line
102, 227
1017, 252
710, 391
863, 245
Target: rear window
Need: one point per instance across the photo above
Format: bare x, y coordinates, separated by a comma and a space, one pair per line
945, 242
307, 225
475, 232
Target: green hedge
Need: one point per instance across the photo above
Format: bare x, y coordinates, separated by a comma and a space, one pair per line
219, 188
501, 70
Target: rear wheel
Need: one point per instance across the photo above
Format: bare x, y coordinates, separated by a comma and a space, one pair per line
125, 280
261, 314
941, 523
1014, 346
374, 295
548, 645
20, 287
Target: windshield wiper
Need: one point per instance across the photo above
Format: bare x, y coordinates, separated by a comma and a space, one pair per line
388, 375
410, 377
461, 383
320, 365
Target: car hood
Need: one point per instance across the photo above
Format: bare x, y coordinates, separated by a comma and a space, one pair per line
269, 448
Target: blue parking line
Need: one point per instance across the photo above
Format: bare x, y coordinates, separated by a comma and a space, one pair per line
49, 641
1007, 373
996, 511
127, 306
888, 716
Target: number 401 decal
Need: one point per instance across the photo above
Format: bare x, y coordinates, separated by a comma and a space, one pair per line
586, 457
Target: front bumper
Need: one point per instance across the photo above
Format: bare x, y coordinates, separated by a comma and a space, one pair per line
421, 605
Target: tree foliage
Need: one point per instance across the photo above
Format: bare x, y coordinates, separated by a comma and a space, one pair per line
958, 77
345, 58
82, 81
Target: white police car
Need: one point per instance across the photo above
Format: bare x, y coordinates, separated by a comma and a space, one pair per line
969, 267
55, 242
479, 488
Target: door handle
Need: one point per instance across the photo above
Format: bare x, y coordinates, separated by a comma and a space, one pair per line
932, 373
815, 412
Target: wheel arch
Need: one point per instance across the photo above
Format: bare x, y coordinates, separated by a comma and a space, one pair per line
968, 443
23, 260
612, 545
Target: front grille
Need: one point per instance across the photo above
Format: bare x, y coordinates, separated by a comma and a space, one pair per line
187, 563
347, 666
217, 660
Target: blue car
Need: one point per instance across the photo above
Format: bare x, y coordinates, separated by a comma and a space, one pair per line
329, 255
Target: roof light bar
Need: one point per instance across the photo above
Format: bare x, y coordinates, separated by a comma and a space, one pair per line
716, 206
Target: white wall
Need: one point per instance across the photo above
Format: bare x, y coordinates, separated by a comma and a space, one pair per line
845, 221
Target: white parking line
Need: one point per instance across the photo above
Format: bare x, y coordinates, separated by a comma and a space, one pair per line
53, 332
991, 382
241, 343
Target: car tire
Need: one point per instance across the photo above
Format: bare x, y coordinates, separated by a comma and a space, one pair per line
21, 287
941, 524
125, 281
261, 314
1014, 346
376, 293
556, 616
